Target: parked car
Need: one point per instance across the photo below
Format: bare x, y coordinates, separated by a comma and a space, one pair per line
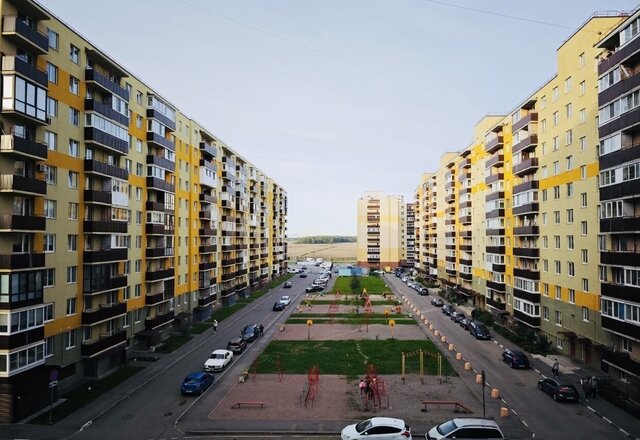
237, 345
303, 274
515, 359
558, 389
313, 288
196, 383
250, 333
456, 315
278, 307
464, 427
437, 302
292, 270
286, 300
464, 322
447, 309
288, 285
479, 331
218, 360
383, 428
423, 291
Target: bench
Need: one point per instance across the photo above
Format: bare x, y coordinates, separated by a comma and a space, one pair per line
457, 406
248, 403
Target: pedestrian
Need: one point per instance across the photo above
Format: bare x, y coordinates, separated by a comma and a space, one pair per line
215, 325
555, 369
586, 387
594, 387
261, 330
362, 385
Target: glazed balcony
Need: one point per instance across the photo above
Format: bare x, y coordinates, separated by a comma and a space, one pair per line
498, 305
15, 261
527, 144
526, 230
161, 162
620, 55
104, 343
619, 291
22, 185
160, 185
207, 248
105, 255
152, 113
92, 166
207, 232
629, 188
497, 160
526, 252
498, 267
158, 320
527, 166
157, 298
207, 265
203, 302
154, 138
93, 105
620, 224
104, 312
13, 144
98, 285
24, 35
158, 229
13, 65
97, 137
104, 227
95, 78
494, 144
465, 276
531, 321
623, 328
525, 186
26, 223
159, 206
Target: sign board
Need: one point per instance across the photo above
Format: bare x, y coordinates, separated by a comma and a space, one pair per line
53, 383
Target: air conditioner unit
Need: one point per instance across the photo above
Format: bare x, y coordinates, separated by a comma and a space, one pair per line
43, 168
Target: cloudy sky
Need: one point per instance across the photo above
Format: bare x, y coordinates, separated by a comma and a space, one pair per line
332, 98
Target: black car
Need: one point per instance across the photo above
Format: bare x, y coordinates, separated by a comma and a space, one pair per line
515, 359
558, 389
278, 307
303, 274
423, 291
479, 331
314, 289
288, 285
437, 302
465, 322
237, 345
447, 309
456, 315
250, 333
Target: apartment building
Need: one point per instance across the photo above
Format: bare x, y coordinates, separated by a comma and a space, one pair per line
511, 220
382, 231
619, 214
122, 218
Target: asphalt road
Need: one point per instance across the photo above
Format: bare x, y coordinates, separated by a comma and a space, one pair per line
546, 418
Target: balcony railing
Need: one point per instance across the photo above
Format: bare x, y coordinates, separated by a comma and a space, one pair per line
104, 226
161, 274
526, 252
105, 169
22, 184
158, 320
13, 222
25, 35
10, 143
103, 313
106, 342
526, 144
97, 285
105, 255
92, 76
16, 261
162, 162
11, 64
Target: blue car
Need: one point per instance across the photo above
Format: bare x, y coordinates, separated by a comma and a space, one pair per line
196, 383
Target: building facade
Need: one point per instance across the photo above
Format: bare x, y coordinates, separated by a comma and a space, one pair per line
122, 218
511, 221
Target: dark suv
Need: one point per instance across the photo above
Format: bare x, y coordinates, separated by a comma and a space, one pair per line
447, 309
237, 345
479, 330
515, 359
249, 333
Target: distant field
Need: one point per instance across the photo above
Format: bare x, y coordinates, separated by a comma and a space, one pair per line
333, 251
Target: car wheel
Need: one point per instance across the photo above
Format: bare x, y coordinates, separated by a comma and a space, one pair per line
540, 386
555, 397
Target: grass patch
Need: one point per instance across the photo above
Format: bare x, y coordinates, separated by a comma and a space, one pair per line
350, 358
85, 394
199, 327
372, 284
350, 318
351, 302
173, 343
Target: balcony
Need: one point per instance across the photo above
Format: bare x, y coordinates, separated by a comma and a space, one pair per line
630, 258
526, 252
493, 178
464, 163
466, 247
159, 274
495, 213
620, 55
24, 35
619, 190
26, 223
527, 166
105, 255
465, 276
15, 261
161, 162
207, 265
207, 248
450, 198
526, 209
92, 105
102, 168
496, 160
203, 302
13, 144
497, 195
159, 252
158, 229
97, 137
22, 185
527, 144
498, 305
526, 273
464, 176
525, 121
494, 144
208, 149
94, 196
106, 342
526, 230
159, 184
619, 291
95, 78
104, 227
159, 206
495, 250
621, 361
207, 232
159, 141
158, 320
500, 268
533, 297
13, 65
157, 298
103, 313
620, 224
623, 328
465, 219
498, 287
619, 157
98, 285
531, 321
152, 113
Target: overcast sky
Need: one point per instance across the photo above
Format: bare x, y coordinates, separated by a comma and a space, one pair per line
333, 98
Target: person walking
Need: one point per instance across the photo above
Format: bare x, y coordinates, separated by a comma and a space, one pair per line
362, 386
586, 388
594, 387
261, 330
215, 326
555, 369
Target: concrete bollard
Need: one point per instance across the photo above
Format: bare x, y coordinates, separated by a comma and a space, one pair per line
443, 339
437, 333
504, 412
478, 378
430, 326
450, 347
458, 356
495, 393
467, 366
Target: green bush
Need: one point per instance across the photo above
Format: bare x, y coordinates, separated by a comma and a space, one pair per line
483, 316
525, 338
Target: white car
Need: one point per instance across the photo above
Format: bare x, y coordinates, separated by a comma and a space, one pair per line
465, 428
285, 300
383, 428
218, 360
292, 270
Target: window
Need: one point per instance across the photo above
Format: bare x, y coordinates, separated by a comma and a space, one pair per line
572, 296
138, 121
583, 143
585, 313
583, 88
570, 242
559, 342
567, 85
554, 96
544, 171
50, 208
569, 216
556, 118
137, 291
139, 97
138, 217
73, 211
584, 256
627, 344
74, 116
49, 243
556, 143
51, 139
138, 145
73, 179
52, 73
583, 172
568, 137
544, 195
545, 313
51, 175
74, 85
127, 292
570, 189
74, 147
545, 289
74, 54
545, 265
543, 102
568, 109
558, 292
138, 169
545, 242
72, 242
556, 217
583, 227
571, 271
71, 306
54, 39
52, 107
72, 274
556, 167
583, 115
48, 277
138, 193
69, 339
138, 241
585, 284
556, 239
556, 192
581, 60
137, 266
543, 125
544, 218
583, 200
558, 267
558, 318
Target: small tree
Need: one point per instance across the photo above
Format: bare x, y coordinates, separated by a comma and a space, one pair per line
355, 284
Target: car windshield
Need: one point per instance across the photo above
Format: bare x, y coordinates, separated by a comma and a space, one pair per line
482, 329
190, 380
447, 427
363, 426
216, 356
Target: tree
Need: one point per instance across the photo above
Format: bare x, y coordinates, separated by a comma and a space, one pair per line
355, 283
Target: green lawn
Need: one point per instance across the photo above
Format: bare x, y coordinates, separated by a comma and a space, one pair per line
352, 301
349, 358
372, 284
350, 318
173, 343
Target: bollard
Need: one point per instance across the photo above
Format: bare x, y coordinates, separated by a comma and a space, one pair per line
504, 412
495, 393
437, 333
450, 347
467, 366
458, 356
478, 378
443, 339
430, 326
